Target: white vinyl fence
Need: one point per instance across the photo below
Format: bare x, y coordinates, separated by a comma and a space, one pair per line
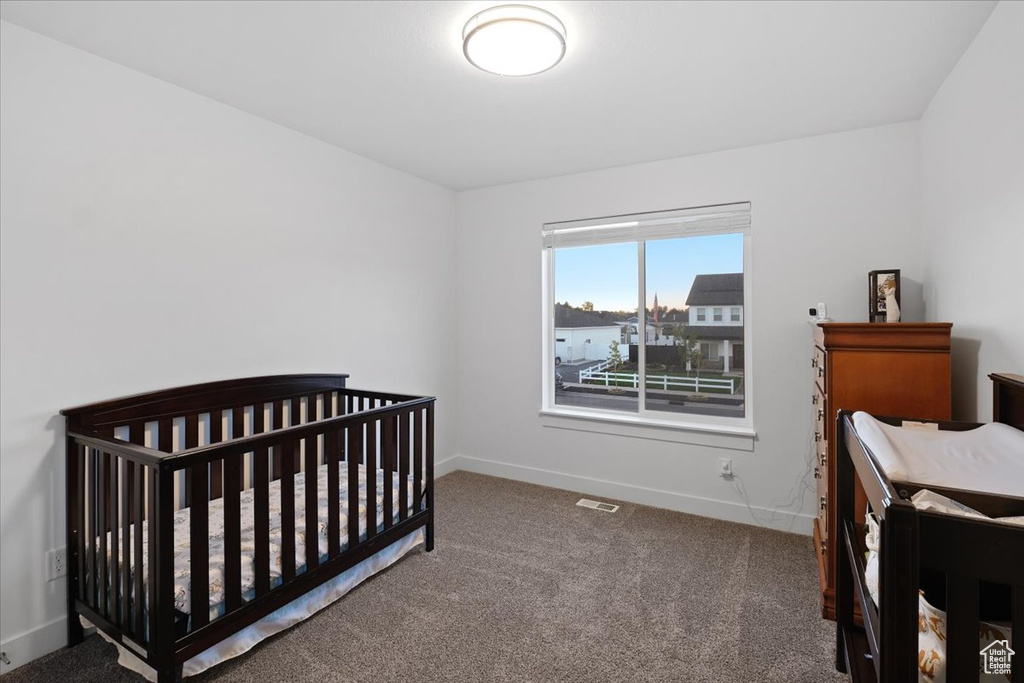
599, 373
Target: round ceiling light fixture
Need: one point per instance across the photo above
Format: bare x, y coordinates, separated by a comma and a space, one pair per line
514, 40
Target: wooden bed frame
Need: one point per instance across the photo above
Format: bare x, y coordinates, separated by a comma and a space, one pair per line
115, 483
964, 556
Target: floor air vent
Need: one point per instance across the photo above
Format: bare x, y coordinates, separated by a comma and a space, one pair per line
593, 504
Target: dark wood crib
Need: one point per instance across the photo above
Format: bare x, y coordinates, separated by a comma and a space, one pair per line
212, 442
973, 568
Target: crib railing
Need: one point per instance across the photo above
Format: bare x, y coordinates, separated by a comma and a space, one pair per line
964, 553
122, 492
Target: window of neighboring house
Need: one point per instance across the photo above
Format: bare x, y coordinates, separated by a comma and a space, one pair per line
734, 314
619, 266
709, 351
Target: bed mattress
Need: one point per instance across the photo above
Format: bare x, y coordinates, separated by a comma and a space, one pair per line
989, 459
182, 578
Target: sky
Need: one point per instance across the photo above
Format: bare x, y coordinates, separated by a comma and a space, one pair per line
607, 274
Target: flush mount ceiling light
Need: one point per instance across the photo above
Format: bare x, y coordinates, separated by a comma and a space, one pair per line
514, 40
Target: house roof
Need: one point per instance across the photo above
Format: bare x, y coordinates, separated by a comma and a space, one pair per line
567, 316
718, 289
711, 332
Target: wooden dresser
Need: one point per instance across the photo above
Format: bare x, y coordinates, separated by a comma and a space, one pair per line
896, 369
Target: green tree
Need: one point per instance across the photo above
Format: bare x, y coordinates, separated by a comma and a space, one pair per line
614, 356
688, 348
587, 306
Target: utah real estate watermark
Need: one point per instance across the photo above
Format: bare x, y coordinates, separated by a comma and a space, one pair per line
997, 657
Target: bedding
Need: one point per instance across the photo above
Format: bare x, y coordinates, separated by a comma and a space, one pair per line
182, 579
931, 642
986, 459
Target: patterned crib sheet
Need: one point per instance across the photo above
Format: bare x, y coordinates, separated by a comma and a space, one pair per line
182, 557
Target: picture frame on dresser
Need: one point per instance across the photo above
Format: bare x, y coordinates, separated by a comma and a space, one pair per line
879, 281
894, 369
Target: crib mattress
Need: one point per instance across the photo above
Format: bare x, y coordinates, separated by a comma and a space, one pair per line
989, 459
182, 556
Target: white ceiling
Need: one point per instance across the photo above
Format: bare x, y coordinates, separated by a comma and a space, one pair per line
640, 80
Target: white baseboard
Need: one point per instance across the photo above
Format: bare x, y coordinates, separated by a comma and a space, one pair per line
446, 466
781, 520
35, 643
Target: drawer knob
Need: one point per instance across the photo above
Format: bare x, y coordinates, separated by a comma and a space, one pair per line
823, 503
814, 362
817, 436
821, 458
817, 473
814, 399
821, 413
821, 372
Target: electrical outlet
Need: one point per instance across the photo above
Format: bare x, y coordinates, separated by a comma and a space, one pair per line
56, 564
725, 468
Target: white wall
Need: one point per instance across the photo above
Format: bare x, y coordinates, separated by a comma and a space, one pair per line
825, 211
972, 179
151, 237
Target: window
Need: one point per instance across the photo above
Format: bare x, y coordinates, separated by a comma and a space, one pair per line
709, 351
636, 272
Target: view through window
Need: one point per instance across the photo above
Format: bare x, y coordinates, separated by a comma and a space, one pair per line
682, 355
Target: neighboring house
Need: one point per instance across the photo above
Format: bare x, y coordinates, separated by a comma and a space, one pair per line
716, 316
583, 335
633, 323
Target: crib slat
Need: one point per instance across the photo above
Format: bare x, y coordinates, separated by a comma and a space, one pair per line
296, 419
387, 438
216, 467
417, 448
191, 441
371, 479
232, 533
233, 485
327, 413
83, 532
115, 560
237, 432
277, 421
287, 509
92, 529
101, 493
312, 503
333, 495
403, 466
961, 628
127, 474
139, 500
261, 504
165, 435
199, 545
355, 450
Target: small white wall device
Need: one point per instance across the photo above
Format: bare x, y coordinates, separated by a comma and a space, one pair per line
818, 313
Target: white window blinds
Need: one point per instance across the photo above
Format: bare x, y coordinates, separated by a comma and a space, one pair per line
706, 220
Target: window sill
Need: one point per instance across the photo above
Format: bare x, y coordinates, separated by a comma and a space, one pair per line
699, 434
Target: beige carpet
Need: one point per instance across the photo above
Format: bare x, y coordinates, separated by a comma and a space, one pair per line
525, 586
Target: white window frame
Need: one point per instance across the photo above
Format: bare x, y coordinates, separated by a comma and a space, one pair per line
729, 432
702, 315
736, 314
716, 315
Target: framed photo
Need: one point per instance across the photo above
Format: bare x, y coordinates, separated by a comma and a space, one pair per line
884, 295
